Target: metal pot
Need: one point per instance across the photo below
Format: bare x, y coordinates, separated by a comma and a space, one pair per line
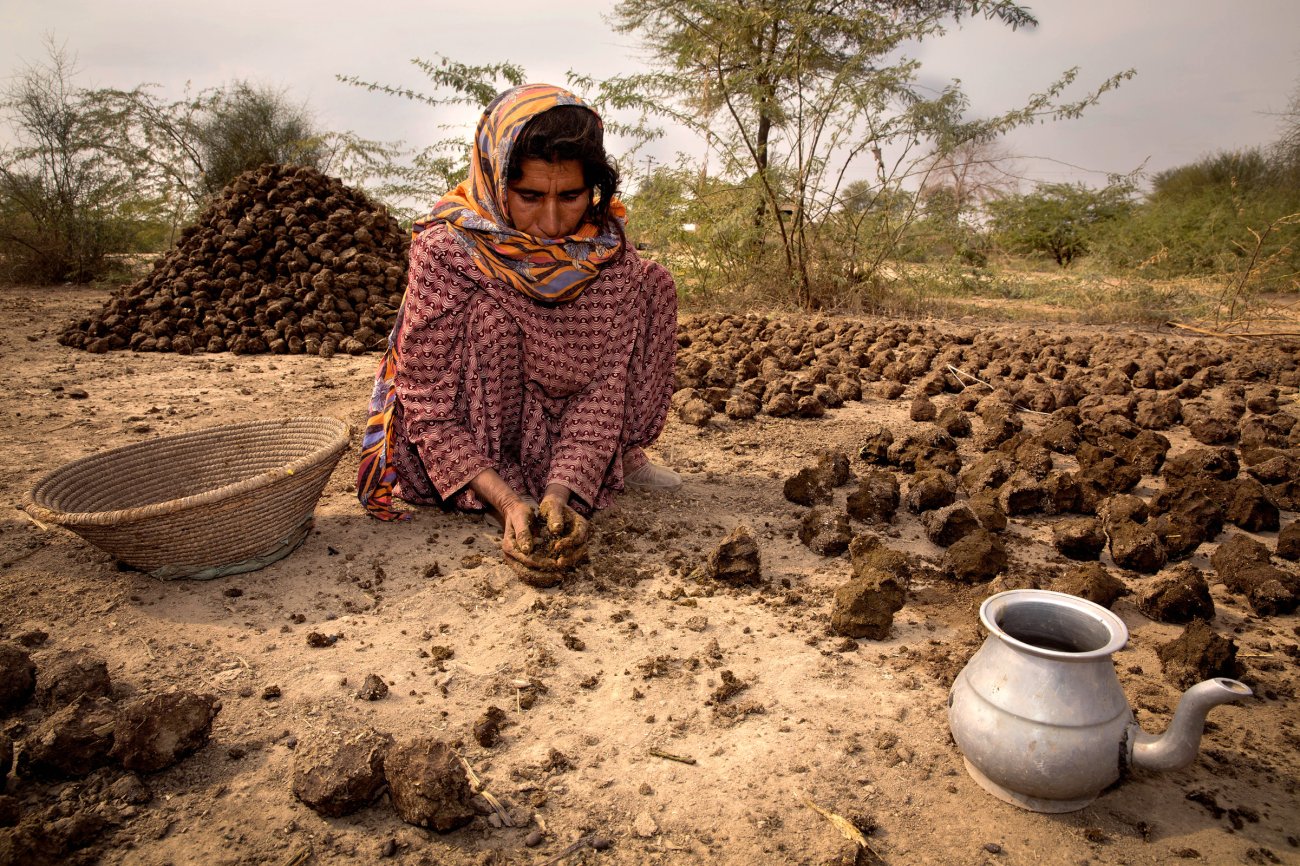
1038, 711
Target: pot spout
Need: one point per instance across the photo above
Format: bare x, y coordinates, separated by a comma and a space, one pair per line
1177, 746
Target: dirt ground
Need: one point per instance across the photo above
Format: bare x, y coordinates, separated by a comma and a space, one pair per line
602, 681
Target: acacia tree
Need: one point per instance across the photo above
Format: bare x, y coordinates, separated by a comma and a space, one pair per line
955, 185
66, 197
969, 174
1059, 219
795, 95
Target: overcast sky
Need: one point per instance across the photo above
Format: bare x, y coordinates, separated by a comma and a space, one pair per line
1209, 72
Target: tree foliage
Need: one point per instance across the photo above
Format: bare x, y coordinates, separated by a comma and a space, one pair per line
193, 147
1233, 214
246, 125
68, 199
697, 225
1218, 215
956, 186
796, 99
1243, 171
104, 171
960, 180
1060, 220
410, 180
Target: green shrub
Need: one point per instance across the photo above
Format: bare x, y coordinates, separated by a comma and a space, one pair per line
1058, 220
65, 194
1203, 219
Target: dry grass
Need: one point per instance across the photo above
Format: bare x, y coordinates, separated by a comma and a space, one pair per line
1013, 292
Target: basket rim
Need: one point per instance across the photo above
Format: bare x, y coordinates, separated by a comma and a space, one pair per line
140, 513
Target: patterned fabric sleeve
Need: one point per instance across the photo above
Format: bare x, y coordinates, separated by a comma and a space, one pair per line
592, 421
432, 358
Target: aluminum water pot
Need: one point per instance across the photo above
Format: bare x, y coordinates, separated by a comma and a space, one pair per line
1038, 711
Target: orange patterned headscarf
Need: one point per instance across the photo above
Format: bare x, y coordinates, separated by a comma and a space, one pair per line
547, 269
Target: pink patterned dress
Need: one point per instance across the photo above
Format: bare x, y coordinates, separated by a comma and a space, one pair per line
487, 377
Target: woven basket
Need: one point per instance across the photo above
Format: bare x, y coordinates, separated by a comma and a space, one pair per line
218, 501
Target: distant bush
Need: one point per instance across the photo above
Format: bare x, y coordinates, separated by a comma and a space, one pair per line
245, 126
68, 199
1202, 219
1058, 220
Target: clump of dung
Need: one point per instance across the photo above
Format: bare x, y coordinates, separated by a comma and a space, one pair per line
553, 553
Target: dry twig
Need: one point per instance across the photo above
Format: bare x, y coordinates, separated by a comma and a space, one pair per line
476, 784
571, 849
1253, 335
297, 858
846, 827
961, 373
668, 757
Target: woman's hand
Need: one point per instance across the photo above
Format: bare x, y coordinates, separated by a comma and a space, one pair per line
566, 533
517, 533
568, 526
516, 513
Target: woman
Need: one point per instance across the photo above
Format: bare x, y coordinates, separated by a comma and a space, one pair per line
533, 354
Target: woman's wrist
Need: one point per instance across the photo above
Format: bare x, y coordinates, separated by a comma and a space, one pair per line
493, 489
557, 491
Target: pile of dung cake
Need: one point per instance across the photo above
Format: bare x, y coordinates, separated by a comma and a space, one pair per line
285, 260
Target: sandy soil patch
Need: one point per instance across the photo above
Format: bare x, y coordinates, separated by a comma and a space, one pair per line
601, 683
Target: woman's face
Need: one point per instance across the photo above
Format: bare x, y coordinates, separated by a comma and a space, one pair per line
549, 200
